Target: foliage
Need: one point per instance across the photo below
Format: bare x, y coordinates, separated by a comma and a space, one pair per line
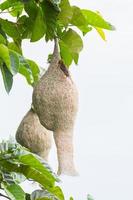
36, 19
17, 164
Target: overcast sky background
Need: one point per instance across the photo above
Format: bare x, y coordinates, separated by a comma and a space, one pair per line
104, 126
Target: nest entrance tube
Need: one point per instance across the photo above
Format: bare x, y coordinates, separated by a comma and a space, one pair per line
65, 153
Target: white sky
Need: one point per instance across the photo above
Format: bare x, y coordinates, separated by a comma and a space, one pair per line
104, 128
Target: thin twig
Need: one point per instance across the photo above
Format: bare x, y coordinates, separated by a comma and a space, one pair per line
2, 195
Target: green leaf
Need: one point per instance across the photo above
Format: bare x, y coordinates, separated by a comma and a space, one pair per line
17, 10
35, 70
25, 26
29, 69
28, 25
4, 55
14, 192
70, 46
85, 29
71, 198
39, 28
54, 194
31, 170
50, 19
58, 193
13, 46
101, 33
26, 73
76, 58
73, 41
31, 161
66, 13
79, 20
31, 8
96, 20
7, 4
14, 59
35, 175
41, 195
3, 33
10, 28
65, 53
25, 70
2, 39
7, 78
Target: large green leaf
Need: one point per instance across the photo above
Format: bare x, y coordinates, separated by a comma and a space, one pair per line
66, 13
4, 55
14, 59
7, 78
50, 18
70, 46
96, 20
31, 161
14, 192
10, 28
39, 27
16, 159
32, 173
73, 41
79, 20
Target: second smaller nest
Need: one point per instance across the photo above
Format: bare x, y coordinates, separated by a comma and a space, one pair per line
32, 135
